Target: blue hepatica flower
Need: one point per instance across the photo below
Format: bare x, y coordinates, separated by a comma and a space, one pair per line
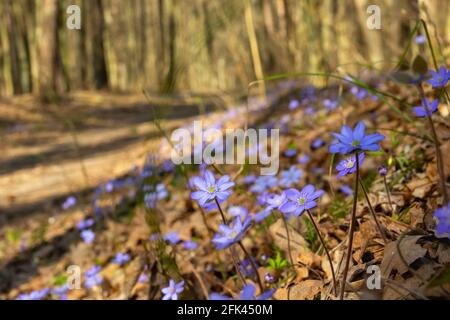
303, 159
210, 189
443, 221
427, 108
247, 293
237, 211
93, 277
84, 224
88, 236
439, 78
355, 140
190, 245
293, 104
299, 201
317, 143
345, 189
263, 183
290, 177
70, 202
348, 165
230, 235
291, 152
330, 104
262, 215
172, 237
275, 201
359, 93
34, 295
173, 290
121, 258
421, 39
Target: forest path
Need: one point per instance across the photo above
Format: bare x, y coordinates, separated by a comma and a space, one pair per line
45, 159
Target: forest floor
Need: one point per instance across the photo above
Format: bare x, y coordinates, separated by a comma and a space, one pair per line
50, 153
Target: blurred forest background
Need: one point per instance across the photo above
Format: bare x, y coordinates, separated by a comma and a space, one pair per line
198, 46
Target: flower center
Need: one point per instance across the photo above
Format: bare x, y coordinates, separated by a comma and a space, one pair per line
212, 189
301, 200
349, 164
355, 143
233, 234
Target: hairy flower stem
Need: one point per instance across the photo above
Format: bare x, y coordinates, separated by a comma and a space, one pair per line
351, 231
388, 194
326, 250
233, 254
252, 263
288, 237
372, 212
439, 161
221, 212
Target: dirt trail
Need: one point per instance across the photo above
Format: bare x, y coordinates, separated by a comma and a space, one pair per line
43, 160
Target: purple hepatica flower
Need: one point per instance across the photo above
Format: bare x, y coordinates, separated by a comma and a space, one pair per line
34, 295
210, 189
230, 235
237, 211
70, 202
109, 186
291, 152
421, 39
290, 177
443, 225
262, 183
173, 290
303, 159
172, 237
247, 293
348, 165
355, 140
88, 236
383, 171
309, 111
276, 201
121, 258
190, 245
330, 104
262, 215
317, 143
345, 189
246, 267
269, 278
427, 108
359, 93
84, 224
262, 198
93, 277
249, 179
294, 104
439, 78
143, 278
299, 201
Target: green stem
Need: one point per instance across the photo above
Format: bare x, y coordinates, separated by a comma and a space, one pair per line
288, 237
351, 231
388, 194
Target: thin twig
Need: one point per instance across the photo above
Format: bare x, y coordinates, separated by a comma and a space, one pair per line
252, 263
